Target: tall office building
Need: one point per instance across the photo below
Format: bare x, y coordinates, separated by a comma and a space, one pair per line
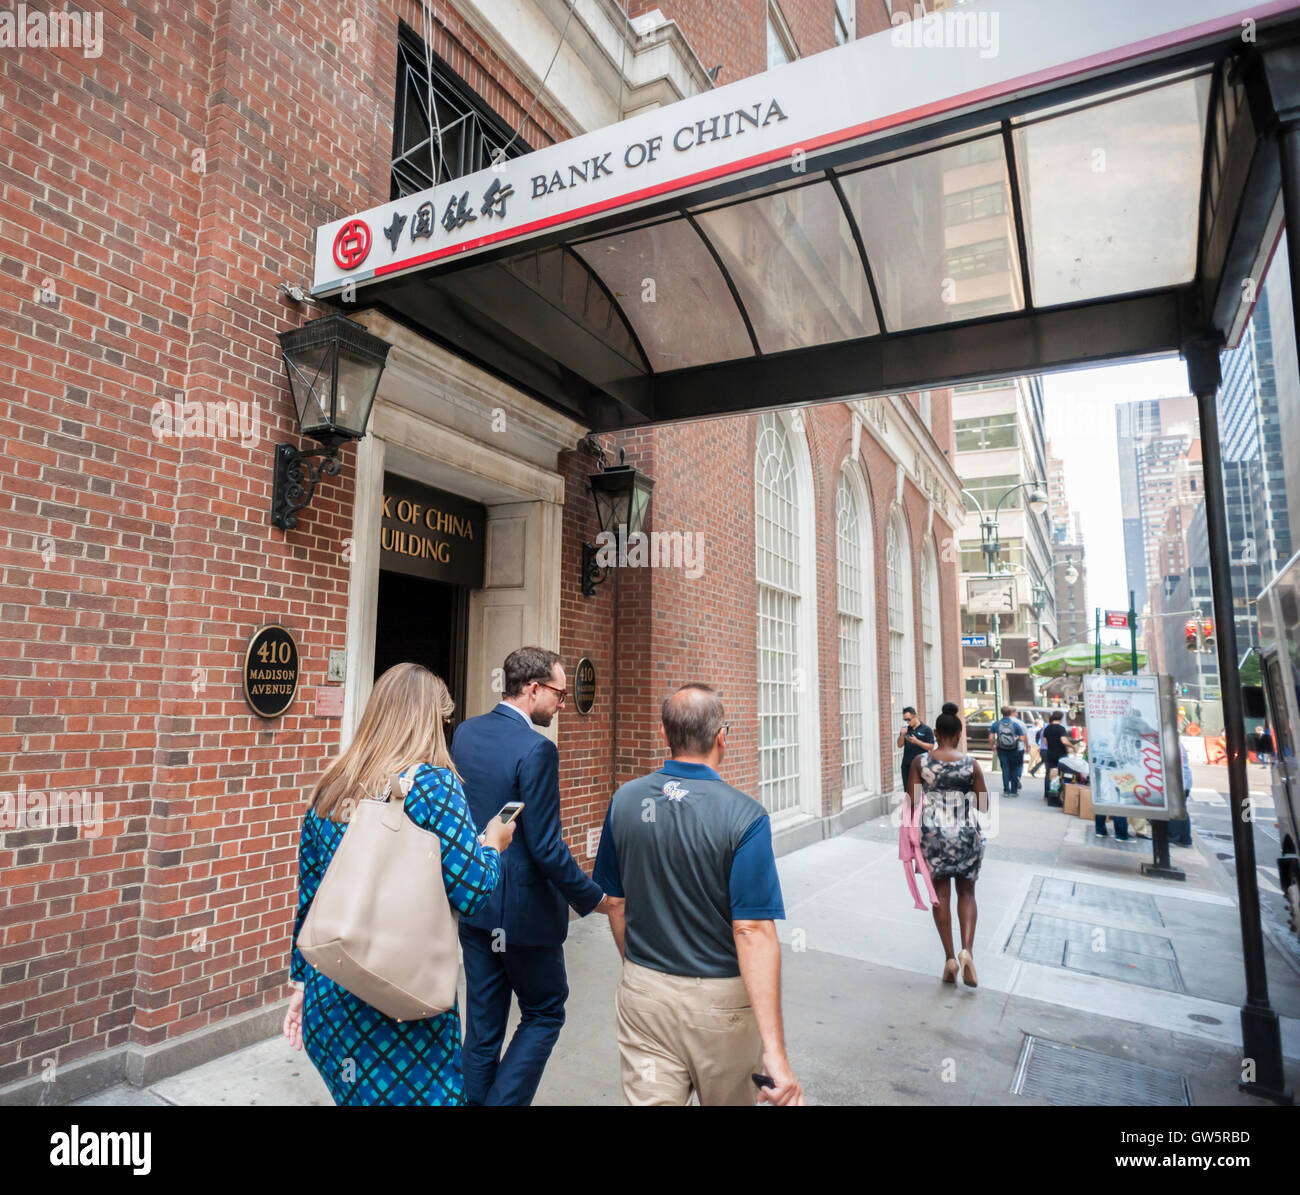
1058, 510
1148, 479
1254, 468
1284, 420
1000, 451
1072, 612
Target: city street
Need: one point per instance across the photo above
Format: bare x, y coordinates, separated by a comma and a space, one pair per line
1130, 987
1212, 821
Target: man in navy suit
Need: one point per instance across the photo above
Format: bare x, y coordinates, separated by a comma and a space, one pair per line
514, 943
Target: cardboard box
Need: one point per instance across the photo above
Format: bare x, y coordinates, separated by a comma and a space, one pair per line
1071, 799
1085, 800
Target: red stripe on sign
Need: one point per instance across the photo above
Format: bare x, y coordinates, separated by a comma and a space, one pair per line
992, 91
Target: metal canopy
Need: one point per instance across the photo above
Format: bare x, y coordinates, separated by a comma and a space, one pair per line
1101, 185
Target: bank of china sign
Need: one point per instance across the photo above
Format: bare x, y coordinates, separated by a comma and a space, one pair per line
940, 64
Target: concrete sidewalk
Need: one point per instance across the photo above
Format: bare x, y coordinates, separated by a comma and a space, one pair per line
1074, 946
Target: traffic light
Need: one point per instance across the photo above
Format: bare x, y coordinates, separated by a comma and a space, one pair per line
1192, 635
1207, 635
1033, 650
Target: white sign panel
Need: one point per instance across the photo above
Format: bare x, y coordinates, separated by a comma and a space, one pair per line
922, 69
1133, 746
990, 595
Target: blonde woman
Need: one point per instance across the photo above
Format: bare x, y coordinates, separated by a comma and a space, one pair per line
363, 1056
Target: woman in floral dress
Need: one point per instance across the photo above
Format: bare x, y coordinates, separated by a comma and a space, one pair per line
950, 787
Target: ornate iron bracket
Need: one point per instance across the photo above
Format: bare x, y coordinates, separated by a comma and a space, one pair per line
296, 478
593, 574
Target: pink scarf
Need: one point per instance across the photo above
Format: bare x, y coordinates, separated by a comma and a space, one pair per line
909, 851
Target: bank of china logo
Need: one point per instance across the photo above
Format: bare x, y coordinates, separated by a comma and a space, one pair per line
674, 791
351, 244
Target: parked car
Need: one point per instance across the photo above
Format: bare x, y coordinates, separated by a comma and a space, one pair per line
977, 730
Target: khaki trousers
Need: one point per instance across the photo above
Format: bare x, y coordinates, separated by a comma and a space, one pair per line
678, 1035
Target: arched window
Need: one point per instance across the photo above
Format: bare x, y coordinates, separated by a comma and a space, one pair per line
859, 716
931, 634
789, 779
902, 655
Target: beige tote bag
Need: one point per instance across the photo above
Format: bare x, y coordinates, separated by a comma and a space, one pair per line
380, 925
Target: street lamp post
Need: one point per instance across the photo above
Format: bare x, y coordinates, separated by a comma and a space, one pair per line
1040, 601
991, 547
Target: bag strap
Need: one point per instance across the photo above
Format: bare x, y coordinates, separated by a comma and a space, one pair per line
395, 811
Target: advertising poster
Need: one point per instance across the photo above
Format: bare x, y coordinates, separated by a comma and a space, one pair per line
1132, 746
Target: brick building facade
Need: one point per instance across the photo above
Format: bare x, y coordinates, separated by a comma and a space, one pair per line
156, 201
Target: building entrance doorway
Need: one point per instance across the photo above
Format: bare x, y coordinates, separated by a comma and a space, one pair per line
430, 560
425, 622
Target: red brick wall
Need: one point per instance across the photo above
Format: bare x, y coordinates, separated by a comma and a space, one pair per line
166, 189
135, 569
671, 629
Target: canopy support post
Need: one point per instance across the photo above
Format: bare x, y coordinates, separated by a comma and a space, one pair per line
1262, 1072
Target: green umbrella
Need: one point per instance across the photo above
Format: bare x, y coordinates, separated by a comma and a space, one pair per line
1079, 659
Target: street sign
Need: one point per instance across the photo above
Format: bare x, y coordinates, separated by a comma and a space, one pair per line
997, 665
974, 641
990, 595
1117, 619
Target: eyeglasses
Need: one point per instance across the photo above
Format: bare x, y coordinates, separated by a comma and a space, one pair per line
562, 692
726, 728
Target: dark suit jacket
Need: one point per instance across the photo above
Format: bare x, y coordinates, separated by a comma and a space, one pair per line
501, 758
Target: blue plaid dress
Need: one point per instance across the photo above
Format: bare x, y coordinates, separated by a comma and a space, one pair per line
364, 1057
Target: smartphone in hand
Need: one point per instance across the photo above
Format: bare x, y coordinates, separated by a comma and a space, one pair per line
509, 811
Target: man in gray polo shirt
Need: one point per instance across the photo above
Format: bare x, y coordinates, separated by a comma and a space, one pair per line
686, 862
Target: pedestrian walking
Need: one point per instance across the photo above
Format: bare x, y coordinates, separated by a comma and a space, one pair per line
513, 947
1036, 745
1121, 827
949, 786
364, 1056
1056, 744
687, 860
915, 737
1012, 741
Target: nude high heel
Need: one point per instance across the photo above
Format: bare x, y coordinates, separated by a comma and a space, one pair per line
969, 978
950, 971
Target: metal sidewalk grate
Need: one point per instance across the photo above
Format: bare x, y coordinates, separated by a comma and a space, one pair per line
1060, 1073
1096, 898
1104, 951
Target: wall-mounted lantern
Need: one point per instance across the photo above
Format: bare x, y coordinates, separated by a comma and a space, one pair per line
334, 366
621, 494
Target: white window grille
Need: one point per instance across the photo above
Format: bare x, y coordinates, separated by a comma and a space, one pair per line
779, 47
776, 541
849, 583
901, 667
931, 636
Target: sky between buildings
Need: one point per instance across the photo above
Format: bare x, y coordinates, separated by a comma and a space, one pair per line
1079, 410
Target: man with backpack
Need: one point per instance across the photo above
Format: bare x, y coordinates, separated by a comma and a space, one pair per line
1012, 741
